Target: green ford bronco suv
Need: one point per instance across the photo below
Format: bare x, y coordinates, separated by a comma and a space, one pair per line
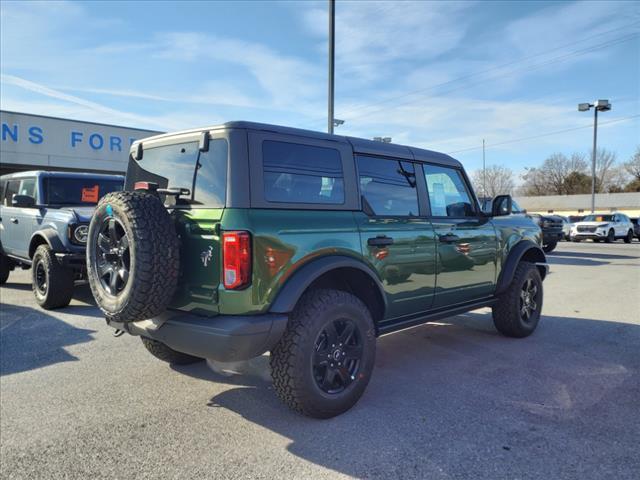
240, 239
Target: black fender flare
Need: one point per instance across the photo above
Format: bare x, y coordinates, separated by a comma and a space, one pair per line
522, 248
50, 236
297, 283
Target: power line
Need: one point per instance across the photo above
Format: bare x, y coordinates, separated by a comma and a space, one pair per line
608, 43
556, 132
551, 61
496, 67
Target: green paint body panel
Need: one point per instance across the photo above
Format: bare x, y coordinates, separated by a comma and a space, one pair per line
198, 230
418, 272
283, 241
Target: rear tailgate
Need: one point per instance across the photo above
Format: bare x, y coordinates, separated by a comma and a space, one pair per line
196, 213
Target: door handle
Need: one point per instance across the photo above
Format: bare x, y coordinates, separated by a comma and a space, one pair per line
448, 238
380, 241
14, 220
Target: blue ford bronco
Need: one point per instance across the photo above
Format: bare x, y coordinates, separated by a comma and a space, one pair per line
44, 220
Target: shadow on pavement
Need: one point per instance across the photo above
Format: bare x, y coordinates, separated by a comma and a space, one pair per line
31, 338
451, 398
602, 256
582, 262
18, 286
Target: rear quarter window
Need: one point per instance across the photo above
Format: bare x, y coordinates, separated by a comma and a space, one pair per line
306, 174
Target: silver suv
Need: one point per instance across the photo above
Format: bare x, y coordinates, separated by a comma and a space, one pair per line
44, 219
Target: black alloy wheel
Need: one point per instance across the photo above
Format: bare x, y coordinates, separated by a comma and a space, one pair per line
528, 300
41, 282
113, 256
337, 357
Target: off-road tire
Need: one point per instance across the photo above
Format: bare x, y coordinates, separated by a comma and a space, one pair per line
550, 247
611, 237
291, 359
5, 268
59, 280
153, 256
629, 237
506, 311
167, 354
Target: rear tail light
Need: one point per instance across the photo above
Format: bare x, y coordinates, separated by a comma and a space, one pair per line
236, 259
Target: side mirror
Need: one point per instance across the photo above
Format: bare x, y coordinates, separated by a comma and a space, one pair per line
23, 201
502, 205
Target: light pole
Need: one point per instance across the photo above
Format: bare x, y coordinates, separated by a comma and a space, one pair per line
332, 39
603, 106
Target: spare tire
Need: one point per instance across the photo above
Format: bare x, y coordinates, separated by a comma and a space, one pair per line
133, 256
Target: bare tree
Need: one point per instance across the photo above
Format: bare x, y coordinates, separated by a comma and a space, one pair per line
551, 177
606, 173
633, 165
499, 180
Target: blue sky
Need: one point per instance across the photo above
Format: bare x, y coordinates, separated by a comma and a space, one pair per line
440, 75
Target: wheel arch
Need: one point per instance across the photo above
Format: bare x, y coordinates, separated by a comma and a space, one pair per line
337, 272
45, 237
527, 251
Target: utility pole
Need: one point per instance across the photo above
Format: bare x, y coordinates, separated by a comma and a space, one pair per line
332, 39
593, 160
484, 172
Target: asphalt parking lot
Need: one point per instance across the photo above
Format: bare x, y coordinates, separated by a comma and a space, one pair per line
447, 400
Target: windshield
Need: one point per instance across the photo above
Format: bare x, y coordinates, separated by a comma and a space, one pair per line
78, 191
598, 218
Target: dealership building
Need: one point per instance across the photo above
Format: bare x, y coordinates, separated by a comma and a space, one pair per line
36, 142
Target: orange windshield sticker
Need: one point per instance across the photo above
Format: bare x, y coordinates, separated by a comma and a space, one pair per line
90, 194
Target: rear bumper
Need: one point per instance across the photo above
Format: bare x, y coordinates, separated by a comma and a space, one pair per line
224, 338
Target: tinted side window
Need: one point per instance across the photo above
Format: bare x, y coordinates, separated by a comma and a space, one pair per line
13, 186
448, 194
388, 186
28, 187
295, 173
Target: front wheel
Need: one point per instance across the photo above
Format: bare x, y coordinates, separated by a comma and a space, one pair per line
5, 268
611, 236
517, 311
323, 362
549, 247
52, 283
629, 237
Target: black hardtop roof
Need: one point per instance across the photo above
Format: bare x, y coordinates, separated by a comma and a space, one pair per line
359, 145
58, 174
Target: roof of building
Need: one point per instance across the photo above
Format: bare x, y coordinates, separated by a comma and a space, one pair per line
627, 200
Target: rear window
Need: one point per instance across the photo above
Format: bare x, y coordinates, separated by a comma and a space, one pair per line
182, 165
295, 173
77, 191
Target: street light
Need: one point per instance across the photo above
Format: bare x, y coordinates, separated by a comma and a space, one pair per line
382, 139
337, 122
602, 106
